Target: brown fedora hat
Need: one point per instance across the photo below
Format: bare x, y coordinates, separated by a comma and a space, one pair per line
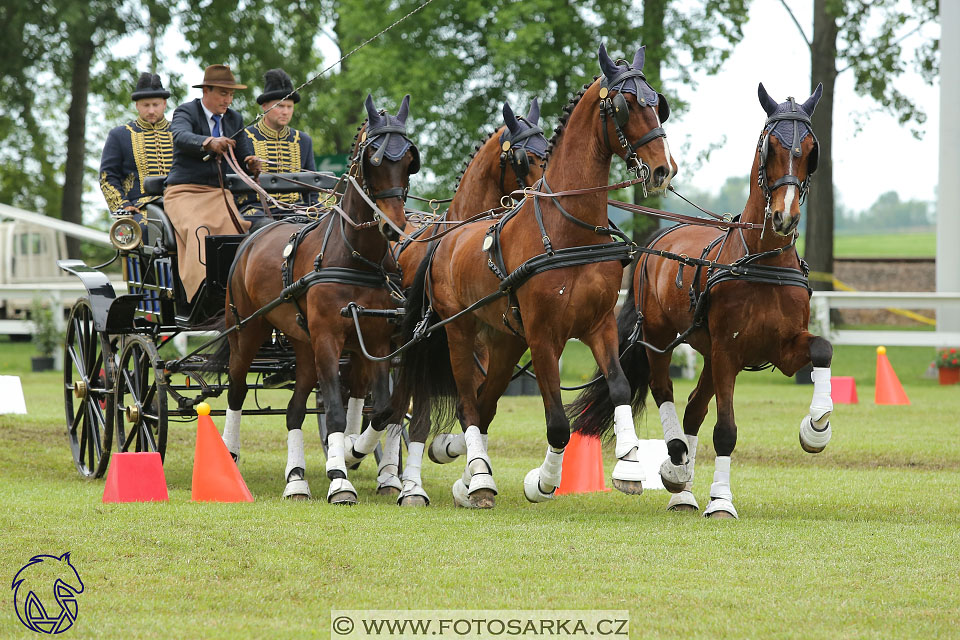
219, 75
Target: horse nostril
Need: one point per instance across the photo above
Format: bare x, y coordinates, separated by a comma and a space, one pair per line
659, 174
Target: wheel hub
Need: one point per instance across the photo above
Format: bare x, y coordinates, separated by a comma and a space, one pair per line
133, 414
80, 389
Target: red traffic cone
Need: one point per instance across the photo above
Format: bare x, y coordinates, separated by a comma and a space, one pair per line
582, 466
215, 474
889, 390
843, 390
135, 477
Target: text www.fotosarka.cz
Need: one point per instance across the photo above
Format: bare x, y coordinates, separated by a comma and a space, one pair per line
478, 624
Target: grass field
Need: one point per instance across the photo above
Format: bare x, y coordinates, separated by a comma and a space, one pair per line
862, 540
882, 245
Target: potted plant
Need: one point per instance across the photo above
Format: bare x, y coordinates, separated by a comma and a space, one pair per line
948, 365
46, 335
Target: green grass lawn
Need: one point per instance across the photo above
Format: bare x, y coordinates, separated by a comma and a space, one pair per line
861, 540
882, 245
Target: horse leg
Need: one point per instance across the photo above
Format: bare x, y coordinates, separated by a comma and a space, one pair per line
295, 473
675, 471
815, 427
540, 484
244, 346
724, 439
476, 489
388, 480
628, 475
697, 405
447, 447
326, 350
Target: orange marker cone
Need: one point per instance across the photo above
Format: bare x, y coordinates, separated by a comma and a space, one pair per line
843, 390
889, 390
135, 477
582, 466
215, 474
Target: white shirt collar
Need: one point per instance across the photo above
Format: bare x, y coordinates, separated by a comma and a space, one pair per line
209, 115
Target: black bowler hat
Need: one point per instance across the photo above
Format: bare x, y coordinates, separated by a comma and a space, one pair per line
149, 86
276, 86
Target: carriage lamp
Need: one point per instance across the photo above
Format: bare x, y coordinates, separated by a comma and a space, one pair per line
125, 234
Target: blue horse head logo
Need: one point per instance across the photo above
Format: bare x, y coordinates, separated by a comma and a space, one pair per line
32, 587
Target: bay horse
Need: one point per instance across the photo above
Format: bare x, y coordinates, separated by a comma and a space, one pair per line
741, 320
510, 158
340, 259
618, 114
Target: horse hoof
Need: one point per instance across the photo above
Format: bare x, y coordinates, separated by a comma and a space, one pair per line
413, 501
808, 448
438, 449
686, 508
296, 496
629, 487
483, 499
813, 440
721, 509
721, 515
388, 491
344, 497
672, 487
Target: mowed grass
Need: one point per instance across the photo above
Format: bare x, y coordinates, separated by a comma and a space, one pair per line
921, 244
861, 540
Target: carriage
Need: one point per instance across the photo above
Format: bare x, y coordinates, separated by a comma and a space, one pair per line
124, 380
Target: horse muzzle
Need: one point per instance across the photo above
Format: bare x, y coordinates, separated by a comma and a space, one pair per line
784, 225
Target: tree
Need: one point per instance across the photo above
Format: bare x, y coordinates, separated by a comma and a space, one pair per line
840, 30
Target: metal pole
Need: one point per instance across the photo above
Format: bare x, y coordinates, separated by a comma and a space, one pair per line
948, 200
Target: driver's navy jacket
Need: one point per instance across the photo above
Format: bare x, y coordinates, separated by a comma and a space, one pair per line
132, 152
190, 128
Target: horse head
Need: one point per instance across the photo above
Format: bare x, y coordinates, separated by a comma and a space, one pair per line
523, 146
385, 158
787, 156
632, 113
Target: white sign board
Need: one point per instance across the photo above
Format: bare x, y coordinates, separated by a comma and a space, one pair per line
11, 395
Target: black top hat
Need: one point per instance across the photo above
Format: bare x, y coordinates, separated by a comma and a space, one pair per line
149, 86
276, 85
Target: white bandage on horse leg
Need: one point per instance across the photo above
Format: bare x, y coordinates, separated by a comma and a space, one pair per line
231, 431
721, 479
476, 451
671, 425
822, 404
627, 440
354, 416
295, 455
486, 441
691, 459
411, 471
551, 469
389, 470
367, 441
335, 459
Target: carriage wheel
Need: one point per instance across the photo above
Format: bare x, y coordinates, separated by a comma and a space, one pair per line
140, 398
88, 377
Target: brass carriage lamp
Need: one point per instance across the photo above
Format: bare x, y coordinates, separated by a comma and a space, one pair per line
125, 234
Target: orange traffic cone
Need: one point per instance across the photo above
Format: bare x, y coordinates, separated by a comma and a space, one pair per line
843, 390
215, 474
889, 390
582, 466
135, 477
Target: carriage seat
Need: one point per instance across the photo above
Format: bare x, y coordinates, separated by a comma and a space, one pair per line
159, 226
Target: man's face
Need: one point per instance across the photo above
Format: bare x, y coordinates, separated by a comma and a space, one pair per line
217, 99
151, 109
278, 116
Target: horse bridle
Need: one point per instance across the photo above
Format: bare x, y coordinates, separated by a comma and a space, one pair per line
356, 163
617, 109
513, 149
763, 145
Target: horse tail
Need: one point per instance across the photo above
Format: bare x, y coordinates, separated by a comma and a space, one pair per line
425, 370
591, 413
217, 361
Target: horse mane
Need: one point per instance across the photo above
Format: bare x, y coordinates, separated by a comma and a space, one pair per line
567, 110
476, 149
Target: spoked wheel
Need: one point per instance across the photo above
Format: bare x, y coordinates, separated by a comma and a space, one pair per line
88, 378
140, 398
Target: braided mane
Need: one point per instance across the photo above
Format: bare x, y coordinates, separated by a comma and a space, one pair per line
567, 110
466, 164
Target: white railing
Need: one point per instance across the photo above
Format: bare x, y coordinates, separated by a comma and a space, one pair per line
824, 301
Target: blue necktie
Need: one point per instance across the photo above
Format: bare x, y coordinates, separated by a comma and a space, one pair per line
216, 126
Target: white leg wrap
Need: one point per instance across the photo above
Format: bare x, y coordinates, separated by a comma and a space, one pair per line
540, 484
478, 473
412, 483
367, 441
721, 479
447, 447
387, 472
686, 497
671, 423
822, 404
295, 455
354, 416
691, 459
674, 476
485, 438
231, 431
627, 440
335, 461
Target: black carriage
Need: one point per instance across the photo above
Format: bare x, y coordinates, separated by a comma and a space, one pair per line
123, 381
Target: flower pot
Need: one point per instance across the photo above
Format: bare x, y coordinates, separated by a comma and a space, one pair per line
948, 375
41, 363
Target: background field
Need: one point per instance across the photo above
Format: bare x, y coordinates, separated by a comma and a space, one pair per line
859, 541
882, 245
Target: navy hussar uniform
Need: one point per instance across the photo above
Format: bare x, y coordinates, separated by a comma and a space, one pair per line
285, 151
135, 151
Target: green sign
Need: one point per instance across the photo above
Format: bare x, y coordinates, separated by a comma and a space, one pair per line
336, 163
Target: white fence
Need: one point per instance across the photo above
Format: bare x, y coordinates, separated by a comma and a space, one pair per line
824, 301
